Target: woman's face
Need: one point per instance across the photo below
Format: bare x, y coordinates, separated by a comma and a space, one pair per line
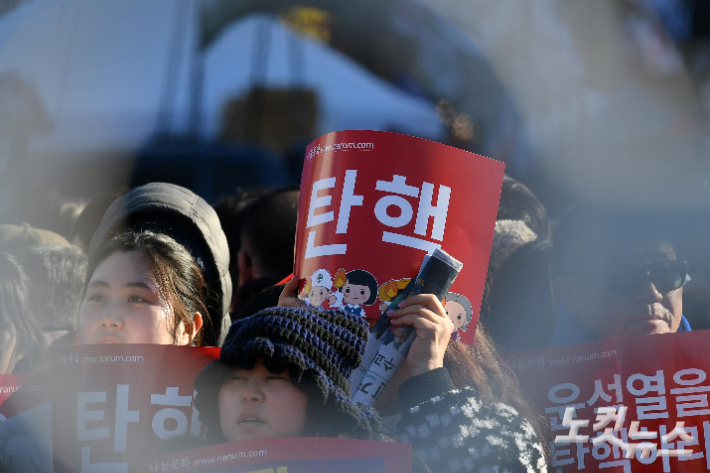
123, 304
257, 403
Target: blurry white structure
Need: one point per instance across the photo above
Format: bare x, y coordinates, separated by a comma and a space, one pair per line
597, 118
100, 68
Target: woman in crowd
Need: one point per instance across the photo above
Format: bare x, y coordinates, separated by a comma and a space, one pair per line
283, 372
22, 344
459, 406
143, 288
188, 219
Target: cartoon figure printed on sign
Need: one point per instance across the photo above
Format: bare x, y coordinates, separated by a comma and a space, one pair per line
317, 288
460, 311
355, 289
389, 291
336, 297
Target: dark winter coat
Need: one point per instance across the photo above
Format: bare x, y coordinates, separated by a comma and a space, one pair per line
451, 430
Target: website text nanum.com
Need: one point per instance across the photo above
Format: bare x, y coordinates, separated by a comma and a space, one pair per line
581, 358
111, 359
230, 457
339, 147
22, 389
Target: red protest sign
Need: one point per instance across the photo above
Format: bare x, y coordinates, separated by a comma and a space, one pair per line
21, 392
115, 403
660, 380
374, 203
287, 455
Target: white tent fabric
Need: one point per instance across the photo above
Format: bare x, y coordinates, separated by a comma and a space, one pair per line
100, 68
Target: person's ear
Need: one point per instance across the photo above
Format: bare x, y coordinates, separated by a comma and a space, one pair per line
187, 331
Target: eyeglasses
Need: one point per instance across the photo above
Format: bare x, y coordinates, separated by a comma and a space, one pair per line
666, 276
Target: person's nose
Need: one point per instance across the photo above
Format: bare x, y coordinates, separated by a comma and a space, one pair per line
111, 318
649, 293
253, 392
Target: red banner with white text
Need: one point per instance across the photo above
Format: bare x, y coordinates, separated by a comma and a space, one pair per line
661, 383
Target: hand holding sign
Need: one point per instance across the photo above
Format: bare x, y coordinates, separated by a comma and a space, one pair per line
433, 329
422, 321
288, 295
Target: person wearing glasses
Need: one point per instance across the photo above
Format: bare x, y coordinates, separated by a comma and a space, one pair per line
615, 274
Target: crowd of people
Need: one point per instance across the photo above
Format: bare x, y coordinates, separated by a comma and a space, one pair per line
158, 265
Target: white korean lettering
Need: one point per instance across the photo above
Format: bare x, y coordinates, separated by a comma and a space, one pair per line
123, 417
387, 201
607, 414
398, 185
318, 202
574, 426
348, 200
171, 398
313, 251
649, 383
438, 211
552, 393
162, 415
83, 416
411, 242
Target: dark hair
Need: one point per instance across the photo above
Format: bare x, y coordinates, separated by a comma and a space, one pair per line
15, 314
57, 274
231, 210
517, 202
591, 238
269, 232
263, 299
481, 367
90, 218
178, 277
519, 313
361, 277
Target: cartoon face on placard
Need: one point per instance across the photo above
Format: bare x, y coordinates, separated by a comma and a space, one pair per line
374, 203
459, 310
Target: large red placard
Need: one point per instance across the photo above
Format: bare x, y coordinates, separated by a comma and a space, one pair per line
374, 203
